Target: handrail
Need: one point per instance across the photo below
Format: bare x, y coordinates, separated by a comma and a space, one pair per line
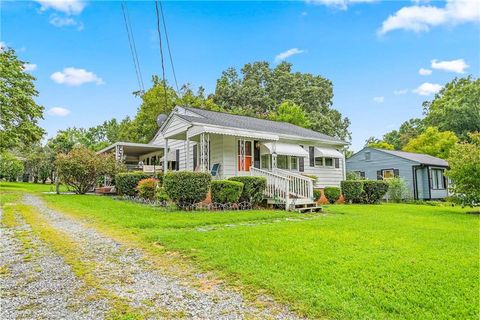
290, 173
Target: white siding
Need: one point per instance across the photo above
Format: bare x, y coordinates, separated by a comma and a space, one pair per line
175, 126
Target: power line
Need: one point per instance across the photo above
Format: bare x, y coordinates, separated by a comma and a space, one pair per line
168, 46
133, 49
161, 55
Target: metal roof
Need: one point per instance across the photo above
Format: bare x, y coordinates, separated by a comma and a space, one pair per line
417, 157
255, 124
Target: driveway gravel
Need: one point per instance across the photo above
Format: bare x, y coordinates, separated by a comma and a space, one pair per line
122, 270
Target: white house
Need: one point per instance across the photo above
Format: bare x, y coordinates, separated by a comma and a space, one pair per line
230, 145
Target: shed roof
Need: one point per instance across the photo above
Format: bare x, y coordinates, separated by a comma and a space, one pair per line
417, 157
251, 123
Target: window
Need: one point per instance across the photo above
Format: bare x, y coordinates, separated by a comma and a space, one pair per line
293, 163
388, 174
367, 156
328, 162
437, 179
282, 162
266, 161
318, 162
359, 174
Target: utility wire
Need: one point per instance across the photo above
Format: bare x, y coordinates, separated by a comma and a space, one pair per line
161, 55
133, 49
168, 46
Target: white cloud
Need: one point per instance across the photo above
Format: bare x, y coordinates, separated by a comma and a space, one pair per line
58, 112
339, 4
427, 88
457, 66
75, 77
286, 54
379, 99
62, 21
29, 67
69, 7
400, 92
419, 18
424, 72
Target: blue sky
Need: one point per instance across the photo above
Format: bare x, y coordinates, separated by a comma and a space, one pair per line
371, 50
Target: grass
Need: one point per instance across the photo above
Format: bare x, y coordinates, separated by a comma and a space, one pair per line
389, 261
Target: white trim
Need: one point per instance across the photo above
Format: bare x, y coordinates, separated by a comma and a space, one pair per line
130, 144
231, 132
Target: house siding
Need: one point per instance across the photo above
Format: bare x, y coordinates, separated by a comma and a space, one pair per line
380, 161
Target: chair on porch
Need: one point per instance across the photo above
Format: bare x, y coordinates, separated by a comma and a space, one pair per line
215, 169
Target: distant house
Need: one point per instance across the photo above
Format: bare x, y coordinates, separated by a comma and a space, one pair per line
230, 145
423, 173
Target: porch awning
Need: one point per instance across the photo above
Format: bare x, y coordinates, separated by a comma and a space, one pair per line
327, 152
171, 156
286, 149
232, 132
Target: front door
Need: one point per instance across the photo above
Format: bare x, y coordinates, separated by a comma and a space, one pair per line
244, 155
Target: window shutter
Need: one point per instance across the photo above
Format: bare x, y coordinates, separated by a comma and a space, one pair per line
379, 175
311, 155
396, 173
337, 163
301, 164
195, 155
177, 159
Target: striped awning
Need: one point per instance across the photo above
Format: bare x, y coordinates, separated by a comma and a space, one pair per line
327, 152
286, 149
233, 132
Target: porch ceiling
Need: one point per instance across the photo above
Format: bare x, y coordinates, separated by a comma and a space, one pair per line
132, 149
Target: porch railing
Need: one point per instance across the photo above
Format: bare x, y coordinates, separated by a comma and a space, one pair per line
277, 185
300, 186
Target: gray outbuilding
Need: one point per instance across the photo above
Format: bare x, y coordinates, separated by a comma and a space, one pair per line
423, 173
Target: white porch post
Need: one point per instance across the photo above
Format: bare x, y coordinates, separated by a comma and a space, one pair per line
118, 152
242, 155
204, 152
165, 156
274, 156
344, 165
187, 161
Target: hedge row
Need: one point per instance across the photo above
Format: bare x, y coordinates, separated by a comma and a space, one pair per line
364, 191
187, 188
253, 188
126, 182
226, 191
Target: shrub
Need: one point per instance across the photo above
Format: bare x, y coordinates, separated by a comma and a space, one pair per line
159, 177
146, 188
226, 191
81, 167
332, 194
374, 190
397, 190
161, 195
352, 190
126, 182
351, 175
10, 166
317, 193
185, 188
253, 188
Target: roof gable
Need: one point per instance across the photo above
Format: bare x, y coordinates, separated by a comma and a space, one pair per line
416, 157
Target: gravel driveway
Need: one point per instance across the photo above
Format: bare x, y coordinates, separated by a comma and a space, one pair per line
119, 269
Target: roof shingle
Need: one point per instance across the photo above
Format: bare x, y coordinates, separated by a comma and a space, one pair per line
417, 157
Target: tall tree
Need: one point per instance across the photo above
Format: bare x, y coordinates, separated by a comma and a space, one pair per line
464, 162
408, 130
456, 107
433, 142
291, 113
19, 113
260, 89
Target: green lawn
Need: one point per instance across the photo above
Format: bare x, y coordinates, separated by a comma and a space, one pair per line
357, 261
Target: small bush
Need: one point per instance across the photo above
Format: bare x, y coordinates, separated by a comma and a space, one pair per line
352, 190
159, 177
226, 191
161, 195
146, 188
398, 190
317, 193
253, 188
332, 194
374, 190
351, 175
126, 182
186, 188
